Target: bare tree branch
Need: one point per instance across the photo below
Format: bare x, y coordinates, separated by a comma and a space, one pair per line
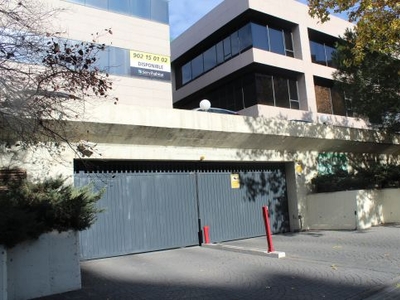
44, 78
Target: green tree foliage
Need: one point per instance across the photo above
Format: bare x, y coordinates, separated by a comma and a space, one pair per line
28, 209
368, 60
372, 84
376, 176
377, 22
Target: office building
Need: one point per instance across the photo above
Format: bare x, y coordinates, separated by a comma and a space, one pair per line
262, 58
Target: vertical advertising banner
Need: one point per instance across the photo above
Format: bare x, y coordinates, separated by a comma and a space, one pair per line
150, 65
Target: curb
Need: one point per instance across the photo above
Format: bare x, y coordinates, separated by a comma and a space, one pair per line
274, 254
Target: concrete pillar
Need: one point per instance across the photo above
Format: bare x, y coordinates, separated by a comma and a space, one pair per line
293, 210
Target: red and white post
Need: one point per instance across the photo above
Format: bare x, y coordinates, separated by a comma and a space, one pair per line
206, 231
268, 229
271, 250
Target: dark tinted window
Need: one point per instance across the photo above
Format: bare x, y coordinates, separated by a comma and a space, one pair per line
276, 41
197, 66
220, 52
293, 94
249, 90
317, 53
187, 73
230, 95
329, 54
265, 94
281, 92
235, 43
322, 53
249, 35
288, 44
224, 96
210, 59
293, 90
260, 36
245, 37
294, 105
237, 100
227, 48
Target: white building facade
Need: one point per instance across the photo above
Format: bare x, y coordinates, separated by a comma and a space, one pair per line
138, 51
262, 58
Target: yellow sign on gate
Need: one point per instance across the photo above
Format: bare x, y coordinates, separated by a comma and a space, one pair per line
235, 181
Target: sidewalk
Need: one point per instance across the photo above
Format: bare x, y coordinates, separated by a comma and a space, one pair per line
318, 265
374, 248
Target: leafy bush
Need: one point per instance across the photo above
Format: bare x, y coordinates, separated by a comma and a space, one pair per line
338, 182
377, 176
28, 209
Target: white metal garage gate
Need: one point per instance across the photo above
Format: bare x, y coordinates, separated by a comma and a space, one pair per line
159, 205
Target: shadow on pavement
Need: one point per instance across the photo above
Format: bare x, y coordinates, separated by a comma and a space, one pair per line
318, 265
252, 285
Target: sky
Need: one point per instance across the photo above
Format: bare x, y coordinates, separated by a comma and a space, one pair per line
184, 13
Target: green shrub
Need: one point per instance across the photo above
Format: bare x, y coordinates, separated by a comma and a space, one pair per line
332, 183
28, 209
376, 176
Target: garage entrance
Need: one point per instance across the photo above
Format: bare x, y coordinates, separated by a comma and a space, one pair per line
160, 205
231, 202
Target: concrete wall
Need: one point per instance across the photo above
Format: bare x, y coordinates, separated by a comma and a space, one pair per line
301, 115
348, 210
391, 205
369, 208
39, 268
331, 211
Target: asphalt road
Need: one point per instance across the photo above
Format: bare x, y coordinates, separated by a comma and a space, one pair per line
318, 265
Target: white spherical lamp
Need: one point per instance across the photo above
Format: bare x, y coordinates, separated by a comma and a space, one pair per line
324, 119
205, 104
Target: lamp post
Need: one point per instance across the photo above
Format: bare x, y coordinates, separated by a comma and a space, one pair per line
324, 119
205, 104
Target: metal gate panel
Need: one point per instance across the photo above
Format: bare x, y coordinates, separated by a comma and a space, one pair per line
143, 212
234, 213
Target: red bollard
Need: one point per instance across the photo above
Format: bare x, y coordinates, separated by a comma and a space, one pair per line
206, 234
268, 229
